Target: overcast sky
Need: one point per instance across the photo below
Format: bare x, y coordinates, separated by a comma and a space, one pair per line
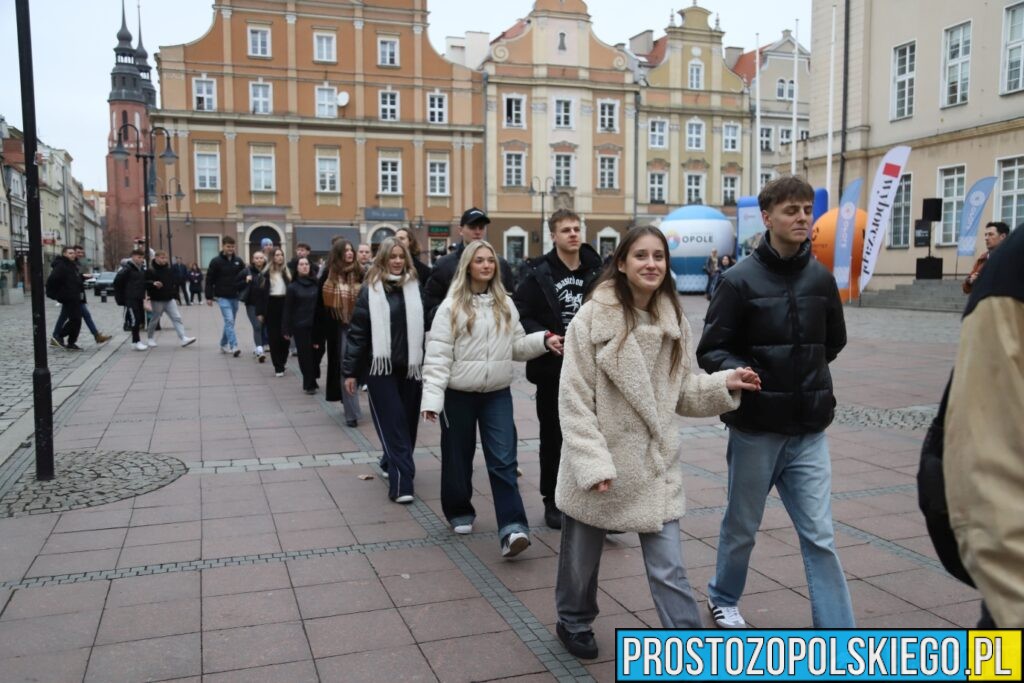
73, 43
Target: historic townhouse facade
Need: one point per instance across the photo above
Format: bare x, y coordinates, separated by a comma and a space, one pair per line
299, 121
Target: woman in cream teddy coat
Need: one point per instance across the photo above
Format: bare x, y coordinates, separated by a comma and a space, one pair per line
627, 374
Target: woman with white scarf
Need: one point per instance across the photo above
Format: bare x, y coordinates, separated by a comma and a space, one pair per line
385, 351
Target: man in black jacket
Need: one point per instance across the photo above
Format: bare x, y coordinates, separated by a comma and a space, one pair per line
65, 286
180, 271
473, 226
778, 312
550, 293
161, 283
130, 292
221, 285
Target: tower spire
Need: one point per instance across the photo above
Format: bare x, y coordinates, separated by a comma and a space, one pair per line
124, 36
140, 51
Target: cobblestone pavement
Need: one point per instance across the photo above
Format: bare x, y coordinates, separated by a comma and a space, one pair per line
277, 556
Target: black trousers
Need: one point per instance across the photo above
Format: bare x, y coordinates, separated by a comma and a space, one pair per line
73, 313
307, 356
395, 408
196, 291
134, 318
550, 452
278, 344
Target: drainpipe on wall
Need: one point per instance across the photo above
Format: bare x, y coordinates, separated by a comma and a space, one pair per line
846, 96
486, 165
636, 153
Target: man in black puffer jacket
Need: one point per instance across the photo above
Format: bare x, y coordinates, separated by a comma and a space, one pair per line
65, 285
222, 287
779, 312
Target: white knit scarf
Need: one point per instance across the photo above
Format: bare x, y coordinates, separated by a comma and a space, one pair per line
380, 328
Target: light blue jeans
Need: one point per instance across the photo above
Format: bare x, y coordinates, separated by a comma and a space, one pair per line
800, 469
228, 310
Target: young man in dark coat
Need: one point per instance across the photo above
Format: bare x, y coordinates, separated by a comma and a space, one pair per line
221, 285
180, 271
779, 312
65, 286
130, 292
550, 293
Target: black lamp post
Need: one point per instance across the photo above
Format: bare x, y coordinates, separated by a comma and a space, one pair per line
168, 156
546, 188
179, 195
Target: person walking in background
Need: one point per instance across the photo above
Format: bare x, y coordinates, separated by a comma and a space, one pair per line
86, 314
549, 294
467, 372
222, 287
130, 292
711, 270
161, 284
299, 322
627, 375
252, 285
195, 283
339, 288
385, 349
364, 254
302, 250
65, 286
180, 281
278, 277
408, 240
995, 233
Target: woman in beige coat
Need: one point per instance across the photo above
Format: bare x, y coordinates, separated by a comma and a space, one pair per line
627, 374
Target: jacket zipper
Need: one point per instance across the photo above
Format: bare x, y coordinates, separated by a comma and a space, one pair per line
795, 322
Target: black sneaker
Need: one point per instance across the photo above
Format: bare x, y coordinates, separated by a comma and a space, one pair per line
72, 347
580, 645
552, 515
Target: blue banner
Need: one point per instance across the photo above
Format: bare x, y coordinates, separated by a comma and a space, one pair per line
820, 204
844, 234
749, 226
974, 204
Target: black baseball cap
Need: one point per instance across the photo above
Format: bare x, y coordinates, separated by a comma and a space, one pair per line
474, 215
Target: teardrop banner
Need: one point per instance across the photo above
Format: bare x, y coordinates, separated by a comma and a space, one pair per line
887, 181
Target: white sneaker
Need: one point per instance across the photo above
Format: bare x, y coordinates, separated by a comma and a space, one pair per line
225, 349
726, 617
151, 343
515, 543
258, 351
406, 499
140, 346
463, 528
188, 340
278, 374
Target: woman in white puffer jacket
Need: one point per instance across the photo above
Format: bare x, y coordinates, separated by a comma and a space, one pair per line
467, 371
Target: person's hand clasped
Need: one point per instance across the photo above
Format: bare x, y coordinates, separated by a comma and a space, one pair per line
350, 386
554, 344
430, 416
743, 379
602, 486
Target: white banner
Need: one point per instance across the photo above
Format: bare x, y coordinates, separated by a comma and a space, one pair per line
887, 180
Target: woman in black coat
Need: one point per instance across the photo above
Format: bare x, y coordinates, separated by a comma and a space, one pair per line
339, 287
300, 323
408, 240
253, 288
195, 283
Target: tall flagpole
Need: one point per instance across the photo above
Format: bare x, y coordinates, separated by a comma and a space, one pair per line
757, 110
796, 98
831, 107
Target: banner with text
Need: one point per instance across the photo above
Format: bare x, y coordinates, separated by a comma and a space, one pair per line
844, 234
887, 180
970, 218
749, 226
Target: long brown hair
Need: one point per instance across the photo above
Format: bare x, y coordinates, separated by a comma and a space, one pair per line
620, 285
336, 266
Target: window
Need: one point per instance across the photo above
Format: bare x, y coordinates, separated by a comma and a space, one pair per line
766, 177
608, 117
204, 94
437, 108
694, 188
730, 189
387, 51
324, 47
791, 91
785, 136
780, 89
388, 105
514, 165
1013, 49
514, 112
804, 134
209, 247
904, 62
390, 176
696, 73
262, 169
563, 170
695, 135
899, 220
607, 173
327, 172
656, 187
259, 41
563, 113
561, 42
951, 185
1011, 191
207, 167
956, 64
437, 178
326, 102
766, 138
259, 98
731, 137
657, 136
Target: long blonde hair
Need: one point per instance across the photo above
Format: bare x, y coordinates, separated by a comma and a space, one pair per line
378, 270
461, 292
282, 269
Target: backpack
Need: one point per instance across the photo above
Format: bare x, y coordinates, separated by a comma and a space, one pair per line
931, 495
119, 279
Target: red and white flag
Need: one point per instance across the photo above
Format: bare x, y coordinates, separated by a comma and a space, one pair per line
887, 181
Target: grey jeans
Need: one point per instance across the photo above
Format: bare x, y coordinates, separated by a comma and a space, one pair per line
580, 558
171, 308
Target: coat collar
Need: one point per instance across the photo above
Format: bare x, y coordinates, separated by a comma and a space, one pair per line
610, 323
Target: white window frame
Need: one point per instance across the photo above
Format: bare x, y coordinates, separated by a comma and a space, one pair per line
903, 82
699, 136
790, 90
1009, 46
1013, 219
521, 113
207, 175
393, 57
607, 172
259, 50
765, 176
268, 100
608, 121
515, 233
688, 186
208, 98
261, 153
437, 114
438, 184
330, 106
695, 74
902, 208
512, 169
564, 119
780, 89
733, 180
396, 173
731, 142
952, 206
331, 56
962, 62
385, 111
653, 135
324, 177
769, 139
567, 174
657, 187
785, 135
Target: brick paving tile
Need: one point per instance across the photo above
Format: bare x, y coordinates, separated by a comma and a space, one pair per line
344, 597
443, 620
150, 620
632, 592
68, 665
156, 659
244, 579
782, 608
254, 544
493, 655
253, 646
418, 589
37, 635
541, 603
162, 553
89, 519
249, 609
308, 539
394, 664
321, 570
411, 561
71, 563
228, 527
390, 531
915, 619
524, 574
50, 600
963, 614
163, 533
346, 633
140, 590
293, 672
924, 588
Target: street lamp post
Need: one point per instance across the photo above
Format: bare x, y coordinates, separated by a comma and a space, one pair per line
179, 195
546, 188
168, 156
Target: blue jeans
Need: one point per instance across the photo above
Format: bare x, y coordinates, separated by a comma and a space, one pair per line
800, 469
259, 330
228, 310
492, 411
58, 329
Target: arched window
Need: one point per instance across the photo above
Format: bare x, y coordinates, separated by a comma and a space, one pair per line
791, 91
561, 42
780, 89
